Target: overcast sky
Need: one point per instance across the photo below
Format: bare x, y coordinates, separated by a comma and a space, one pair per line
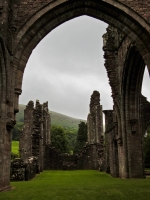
67, 65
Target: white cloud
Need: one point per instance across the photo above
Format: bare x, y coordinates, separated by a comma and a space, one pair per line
146, 84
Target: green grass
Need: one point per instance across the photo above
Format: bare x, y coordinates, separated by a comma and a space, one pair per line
78, 185
15, 147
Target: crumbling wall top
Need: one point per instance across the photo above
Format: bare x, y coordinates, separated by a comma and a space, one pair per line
95, 100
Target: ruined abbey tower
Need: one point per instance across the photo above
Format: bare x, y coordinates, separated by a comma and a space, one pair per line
36, 132
95, 119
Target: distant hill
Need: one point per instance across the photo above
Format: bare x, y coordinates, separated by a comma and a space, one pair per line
56, 119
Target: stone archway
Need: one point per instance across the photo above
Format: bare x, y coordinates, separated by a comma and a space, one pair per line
46, 19
134, 71
125, 67
24, 25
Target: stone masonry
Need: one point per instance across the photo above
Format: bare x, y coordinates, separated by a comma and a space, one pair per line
95, 129
95, 119
23, 24
91, 156
36, 132
113, 143
126, 124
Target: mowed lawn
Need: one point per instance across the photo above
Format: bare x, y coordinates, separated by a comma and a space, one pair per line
78, 185
15, 147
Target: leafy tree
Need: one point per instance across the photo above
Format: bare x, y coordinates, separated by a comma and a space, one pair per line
59, 139
148, 130
81, 136
18, 127
71, 137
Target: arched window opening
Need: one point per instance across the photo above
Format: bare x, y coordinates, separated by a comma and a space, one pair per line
64, 69
67, 66
146, 83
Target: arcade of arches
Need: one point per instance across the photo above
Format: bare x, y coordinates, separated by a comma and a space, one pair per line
23, 24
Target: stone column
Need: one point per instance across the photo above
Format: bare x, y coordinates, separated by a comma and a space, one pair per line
108, 122
95, 130
7, 117
46, 124
95, 119
37, 136
25, 141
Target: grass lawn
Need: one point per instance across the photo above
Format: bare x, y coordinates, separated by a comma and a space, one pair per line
78, 185
15, 147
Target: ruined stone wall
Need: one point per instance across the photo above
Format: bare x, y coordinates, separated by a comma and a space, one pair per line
22, 170
111, 145
46, 124
36, 133
95, 133
115, 48
108, 128
145, 114
52, 158
25, 141
95, 119
91, 156
87, 158
123, 62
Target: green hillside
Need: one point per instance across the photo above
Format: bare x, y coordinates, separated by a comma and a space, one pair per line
65, 121
69, 124
56, 119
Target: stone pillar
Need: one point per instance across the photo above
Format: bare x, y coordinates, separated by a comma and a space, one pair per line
95, 119
36, 132
7, 117
108, 121
95, 129
25, 141
125, 65
111, 146
37, 136
46, 124
89, 128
